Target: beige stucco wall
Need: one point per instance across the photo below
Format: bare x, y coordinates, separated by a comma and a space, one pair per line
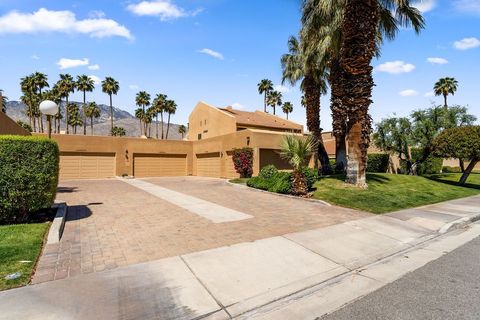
209, 122
8, 126
455, 163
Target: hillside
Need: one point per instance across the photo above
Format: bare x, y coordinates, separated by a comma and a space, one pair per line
101, 126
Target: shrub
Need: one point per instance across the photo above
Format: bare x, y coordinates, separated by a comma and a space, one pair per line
377, 162
448, 169
28, 176
259, 183
281, 182
430, 165
268, 171
311, 175
243, 162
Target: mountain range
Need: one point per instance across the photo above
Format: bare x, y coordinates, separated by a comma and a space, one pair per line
101, 125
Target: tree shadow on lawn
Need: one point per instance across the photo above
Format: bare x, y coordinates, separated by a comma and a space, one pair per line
370, 177
441, 179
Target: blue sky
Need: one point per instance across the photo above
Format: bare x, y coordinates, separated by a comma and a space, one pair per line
217, 51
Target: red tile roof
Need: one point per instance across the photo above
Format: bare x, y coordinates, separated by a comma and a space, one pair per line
261, 119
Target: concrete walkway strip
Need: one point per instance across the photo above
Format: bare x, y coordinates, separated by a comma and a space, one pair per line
164, 289
203, 208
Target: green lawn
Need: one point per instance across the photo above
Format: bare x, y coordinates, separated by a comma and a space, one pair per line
21, 242
239, 180
388, 192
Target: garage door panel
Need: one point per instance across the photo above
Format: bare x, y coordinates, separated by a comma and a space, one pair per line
76, 165
209, 165
160, 165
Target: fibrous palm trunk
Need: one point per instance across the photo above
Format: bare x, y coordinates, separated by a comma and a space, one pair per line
66, 111
299, 183
168, 126
339, 115
161, 118
359, 27
91, 126
156, 125
84, 115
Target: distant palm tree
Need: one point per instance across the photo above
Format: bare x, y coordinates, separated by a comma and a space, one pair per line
444, 87
55, 95
182, 130
41, 81
159, 105
74, 119
265, 86
110, 86
140, 115
142, 100
92, 110
85, 84
170, 108
27, 85
66, 85
287, 108
274, 98
118, 131
296, 150
3, 101
149, 118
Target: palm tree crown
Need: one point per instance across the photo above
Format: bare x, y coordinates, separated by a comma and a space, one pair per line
110, 86
274, 98
444, 87
265, 86
287, 108
85, 84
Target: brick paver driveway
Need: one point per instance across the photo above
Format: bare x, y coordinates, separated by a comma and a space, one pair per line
111, 223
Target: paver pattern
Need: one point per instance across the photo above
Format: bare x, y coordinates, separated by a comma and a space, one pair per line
111, 223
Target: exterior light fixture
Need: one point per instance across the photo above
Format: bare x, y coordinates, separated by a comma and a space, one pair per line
49, 108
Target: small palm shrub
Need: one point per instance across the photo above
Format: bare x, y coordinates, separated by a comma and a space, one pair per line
268, 171
296, 150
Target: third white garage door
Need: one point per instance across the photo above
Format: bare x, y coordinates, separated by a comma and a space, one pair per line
160, 165
209, 165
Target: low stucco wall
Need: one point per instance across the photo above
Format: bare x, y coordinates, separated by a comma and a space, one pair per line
8, 126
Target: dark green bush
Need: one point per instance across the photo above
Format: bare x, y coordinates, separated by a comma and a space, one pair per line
28, 176
268, 171
311, 175
448, 169
259, 183
430, 165
281, 182
377, 162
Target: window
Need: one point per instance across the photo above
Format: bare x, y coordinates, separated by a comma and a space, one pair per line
199, 137
205, 122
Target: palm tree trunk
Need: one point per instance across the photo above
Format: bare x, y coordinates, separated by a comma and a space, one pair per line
168, 126
41, 122
287, 115
445, 105
141, 130
339, 115
312, 103
66, 111
156, 125
161, 117
360, 27
34, 124
91, 126
111, 113
84, 116
265, 102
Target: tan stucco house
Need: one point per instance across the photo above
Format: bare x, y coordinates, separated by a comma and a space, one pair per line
207, 121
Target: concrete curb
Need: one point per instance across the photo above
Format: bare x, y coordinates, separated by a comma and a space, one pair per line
279, 194
459, 223
56, 229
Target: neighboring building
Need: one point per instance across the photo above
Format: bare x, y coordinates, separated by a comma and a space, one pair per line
207, 121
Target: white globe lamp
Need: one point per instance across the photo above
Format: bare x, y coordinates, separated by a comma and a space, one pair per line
49, 108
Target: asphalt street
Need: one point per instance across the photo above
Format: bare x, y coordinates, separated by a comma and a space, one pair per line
447, 288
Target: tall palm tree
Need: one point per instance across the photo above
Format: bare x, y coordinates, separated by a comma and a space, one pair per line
140, 115
322, 25
85, 84
55, 95
309, 68
75, 118
170, 108
110, 86
28, 88
92, 110
149, 118
274, 98
41, 81
66, 85
444, 87
142, 99
159, 105
182, 130
287, 108
265, 86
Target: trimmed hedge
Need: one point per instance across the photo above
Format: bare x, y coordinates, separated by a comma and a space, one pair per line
430, 165
377, 162
447, 169
268, 171
28, 176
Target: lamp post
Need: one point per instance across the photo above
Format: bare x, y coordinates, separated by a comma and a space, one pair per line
49, 108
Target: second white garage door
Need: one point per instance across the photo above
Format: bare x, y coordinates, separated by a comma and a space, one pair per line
80, 165
209, 165
160, 165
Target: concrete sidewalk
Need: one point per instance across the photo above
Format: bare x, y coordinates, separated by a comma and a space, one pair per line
284, 277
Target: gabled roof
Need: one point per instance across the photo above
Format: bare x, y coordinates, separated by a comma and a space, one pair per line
261, 119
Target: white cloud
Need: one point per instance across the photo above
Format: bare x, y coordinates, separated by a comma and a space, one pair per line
425, 5
281, 88
93, 67
133, 87
35, 57
96, 14
469, 6
434, 60
395, 67
95, 79
65, 63
164, 9
467, 43
238, 106
212, 53
429, 94
44, 20
408, 93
